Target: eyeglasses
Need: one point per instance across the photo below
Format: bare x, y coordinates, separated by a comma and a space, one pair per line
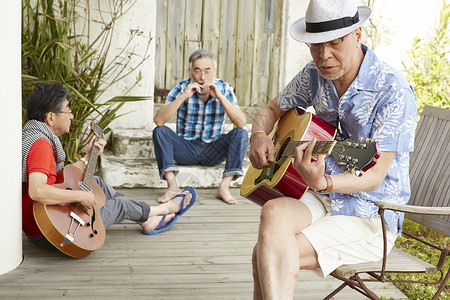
69, 111
333, 44
199, 72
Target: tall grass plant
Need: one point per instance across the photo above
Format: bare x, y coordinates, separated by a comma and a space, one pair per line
70, 41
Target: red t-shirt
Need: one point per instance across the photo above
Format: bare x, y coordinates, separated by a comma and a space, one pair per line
40, 159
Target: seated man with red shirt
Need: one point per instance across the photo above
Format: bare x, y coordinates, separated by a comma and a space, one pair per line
43, 158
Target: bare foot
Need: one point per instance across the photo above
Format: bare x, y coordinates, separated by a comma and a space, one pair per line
225, 195
172, 187
153, 222
169, 194
173, 205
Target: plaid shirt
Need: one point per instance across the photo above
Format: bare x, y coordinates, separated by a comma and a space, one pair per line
197, 120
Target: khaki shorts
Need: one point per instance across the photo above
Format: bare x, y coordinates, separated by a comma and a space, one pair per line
340, 240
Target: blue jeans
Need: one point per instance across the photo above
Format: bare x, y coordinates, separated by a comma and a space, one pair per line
230, 147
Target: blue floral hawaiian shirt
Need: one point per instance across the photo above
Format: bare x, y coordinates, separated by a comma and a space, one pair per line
379, 105
197, 120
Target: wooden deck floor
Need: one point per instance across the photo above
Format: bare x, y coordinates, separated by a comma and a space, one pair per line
205, 255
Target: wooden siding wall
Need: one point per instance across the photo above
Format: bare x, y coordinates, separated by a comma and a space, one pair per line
248, 58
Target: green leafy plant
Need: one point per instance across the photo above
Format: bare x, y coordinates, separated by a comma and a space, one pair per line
431, 255
59, 45
427, 65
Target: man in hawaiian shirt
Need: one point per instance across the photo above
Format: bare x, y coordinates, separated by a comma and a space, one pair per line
349, 87
200, 103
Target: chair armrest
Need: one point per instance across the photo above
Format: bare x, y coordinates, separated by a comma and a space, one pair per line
426, 210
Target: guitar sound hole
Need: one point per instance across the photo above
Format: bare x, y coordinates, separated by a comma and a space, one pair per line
282, 148
68, 188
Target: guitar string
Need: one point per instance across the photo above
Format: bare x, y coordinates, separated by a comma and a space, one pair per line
88, 172
320, 147
79, 207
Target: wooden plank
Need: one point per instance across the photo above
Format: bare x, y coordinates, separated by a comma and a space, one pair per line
227, 41
424, 137
275, 53
398, 261
440, 113
175, 42
244, 51
429, 170
261, 59
211, 26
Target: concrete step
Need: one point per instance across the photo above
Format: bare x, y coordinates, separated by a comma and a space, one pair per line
138, 143
123, 172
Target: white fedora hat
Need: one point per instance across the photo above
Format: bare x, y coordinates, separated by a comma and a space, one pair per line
326, 20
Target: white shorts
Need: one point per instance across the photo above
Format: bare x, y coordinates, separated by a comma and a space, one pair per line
340, 240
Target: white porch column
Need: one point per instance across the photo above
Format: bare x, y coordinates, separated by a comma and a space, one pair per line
11, 136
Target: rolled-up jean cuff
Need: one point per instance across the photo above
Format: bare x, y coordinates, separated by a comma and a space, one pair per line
169, 169
235, 173
145, 211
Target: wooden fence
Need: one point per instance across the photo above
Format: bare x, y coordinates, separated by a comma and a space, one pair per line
245, 35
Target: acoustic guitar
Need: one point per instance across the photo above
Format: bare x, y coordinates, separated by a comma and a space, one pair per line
294, 128
70, 227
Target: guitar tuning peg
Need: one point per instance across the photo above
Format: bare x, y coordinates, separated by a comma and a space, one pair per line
344, 169
353, 171
358, 173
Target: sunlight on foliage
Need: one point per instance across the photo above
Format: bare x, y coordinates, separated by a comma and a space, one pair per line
427, 66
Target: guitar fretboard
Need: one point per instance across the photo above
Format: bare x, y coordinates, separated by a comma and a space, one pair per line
321, 147
91, 166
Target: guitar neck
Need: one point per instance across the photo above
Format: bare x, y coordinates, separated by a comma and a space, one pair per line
321, 147
91, 166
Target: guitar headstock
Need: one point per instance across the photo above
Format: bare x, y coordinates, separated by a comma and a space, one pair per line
356, 157
98, 132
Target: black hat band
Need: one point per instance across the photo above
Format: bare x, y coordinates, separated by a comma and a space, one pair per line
332, 25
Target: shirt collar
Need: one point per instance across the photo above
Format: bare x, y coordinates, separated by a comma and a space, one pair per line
365, 81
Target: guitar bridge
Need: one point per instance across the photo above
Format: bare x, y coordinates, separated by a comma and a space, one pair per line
69, 235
